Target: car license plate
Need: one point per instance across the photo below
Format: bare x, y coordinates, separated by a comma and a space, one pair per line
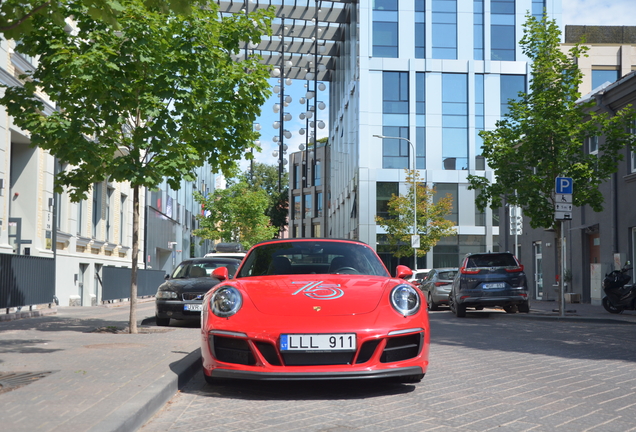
193, 307
318, 342
494, 285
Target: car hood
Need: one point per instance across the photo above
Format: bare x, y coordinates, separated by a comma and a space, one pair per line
202, 284
333, 294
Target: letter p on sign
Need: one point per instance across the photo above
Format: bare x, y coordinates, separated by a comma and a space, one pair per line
564, 185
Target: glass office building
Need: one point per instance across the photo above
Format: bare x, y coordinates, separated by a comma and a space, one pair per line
432, 74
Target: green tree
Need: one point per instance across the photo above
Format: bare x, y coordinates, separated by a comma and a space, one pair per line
156, 99
236, 214
432, 224
542, 135
17, 16
265, 177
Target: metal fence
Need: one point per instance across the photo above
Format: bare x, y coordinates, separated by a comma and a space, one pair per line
116, 282
26, 280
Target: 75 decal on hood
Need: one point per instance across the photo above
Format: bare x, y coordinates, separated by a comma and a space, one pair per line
319, 290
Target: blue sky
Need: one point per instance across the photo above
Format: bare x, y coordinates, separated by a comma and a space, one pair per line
575, 12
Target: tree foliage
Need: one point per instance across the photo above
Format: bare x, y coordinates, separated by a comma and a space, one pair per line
236, 214
154, 100
542, 135
17, 16
265, 177
432, 224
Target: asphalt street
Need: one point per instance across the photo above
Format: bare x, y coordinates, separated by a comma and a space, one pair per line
489, 371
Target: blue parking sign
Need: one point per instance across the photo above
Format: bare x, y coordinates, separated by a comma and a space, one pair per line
564, 185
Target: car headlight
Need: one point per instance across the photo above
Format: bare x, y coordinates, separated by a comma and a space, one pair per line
405, 300
226, 301
161, 294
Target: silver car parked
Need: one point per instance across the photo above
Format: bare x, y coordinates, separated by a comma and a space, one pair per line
437, 286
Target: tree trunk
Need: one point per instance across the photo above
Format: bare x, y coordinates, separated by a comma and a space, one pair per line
132, 325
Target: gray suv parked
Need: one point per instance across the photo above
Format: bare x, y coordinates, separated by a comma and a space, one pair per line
488, 280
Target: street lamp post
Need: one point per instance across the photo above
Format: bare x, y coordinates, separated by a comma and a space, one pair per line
415, 237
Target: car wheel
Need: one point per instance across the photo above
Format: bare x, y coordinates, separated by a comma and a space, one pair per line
432, 306
457, 309
411, 379
524, 307
162, 322
510, 309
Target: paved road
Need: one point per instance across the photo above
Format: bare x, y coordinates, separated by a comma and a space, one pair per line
488, 372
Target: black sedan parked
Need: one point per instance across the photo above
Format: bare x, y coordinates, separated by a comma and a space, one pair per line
180, 297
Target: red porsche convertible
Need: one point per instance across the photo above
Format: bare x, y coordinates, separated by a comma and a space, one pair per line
314, 309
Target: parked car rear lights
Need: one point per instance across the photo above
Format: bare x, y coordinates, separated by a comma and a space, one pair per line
515, 269
464, 270
441, 283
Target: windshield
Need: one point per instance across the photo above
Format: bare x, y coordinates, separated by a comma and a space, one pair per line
312, 257
194, 269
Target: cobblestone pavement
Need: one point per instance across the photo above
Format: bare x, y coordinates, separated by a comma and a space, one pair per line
488, 371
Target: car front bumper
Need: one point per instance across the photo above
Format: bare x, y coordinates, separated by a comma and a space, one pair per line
175, 309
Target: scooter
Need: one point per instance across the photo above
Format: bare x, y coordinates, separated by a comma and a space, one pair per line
619, 295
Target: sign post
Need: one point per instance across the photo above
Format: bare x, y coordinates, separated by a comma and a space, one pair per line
563, 188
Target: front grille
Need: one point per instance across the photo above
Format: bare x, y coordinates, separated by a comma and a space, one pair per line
269, 352
402, 348
193, 296
232, 350
317, 359
367, 350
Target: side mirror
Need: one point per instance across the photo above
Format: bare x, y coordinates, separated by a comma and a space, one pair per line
220, 273
167, 276
403, 272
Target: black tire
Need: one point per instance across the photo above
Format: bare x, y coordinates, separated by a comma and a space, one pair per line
524, 307
209, 379
411, 379
510, 309
457, 309
432, 306
162, 322
607, 304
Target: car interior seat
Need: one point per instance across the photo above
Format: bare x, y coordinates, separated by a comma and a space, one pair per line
197, 272
280, 266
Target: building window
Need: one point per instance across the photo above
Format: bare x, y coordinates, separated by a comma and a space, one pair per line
384, 192
444, 29
296, 208
395, 118
480, 162
97, 207
441, 191
601, 76
591, 145
478, 29
122, 218
502, 30
307, 199
385, 28
480, 216
538, 8
317, 174
109, 213
510, 87
420, 29
420, 119
455, 121
296, 177
316, 231
318, 205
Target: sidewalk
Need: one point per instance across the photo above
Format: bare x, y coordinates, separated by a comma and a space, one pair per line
91, 380
99, 381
